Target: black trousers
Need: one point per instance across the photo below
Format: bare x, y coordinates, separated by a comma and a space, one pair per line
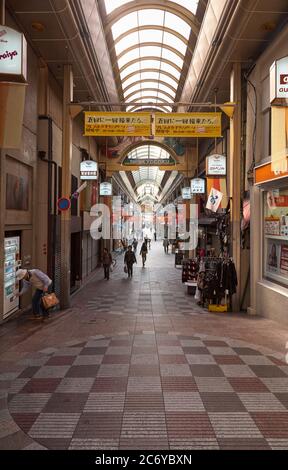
130, 270
106, 271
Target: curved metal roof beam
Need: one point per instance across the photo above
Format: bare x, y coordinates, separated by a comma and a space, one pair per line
156, 90
157, 109
147, 80
150, 70
171, 7
152, 57
151, 44
152, 97
147, 27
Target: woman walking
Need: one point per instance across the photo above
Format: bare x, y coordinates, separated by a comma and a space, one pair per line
107, 261
143, 253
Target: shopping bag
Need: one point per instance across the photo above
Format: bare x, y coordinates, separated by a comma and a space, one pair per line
197, 294
125, 269
49, 301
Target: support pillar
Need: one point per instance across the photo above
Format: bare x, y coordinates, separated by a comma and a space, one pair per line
235, 177
66, 187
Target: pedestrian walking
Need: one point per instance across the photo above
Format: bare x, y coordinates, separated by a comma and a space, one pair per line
135, 244
41, 282
107, 262
143, 253
129, 260
166, 245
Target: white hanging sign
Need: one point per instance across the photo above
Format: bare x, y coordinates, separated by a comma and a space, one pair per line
279, 79
105, 189
214, 200
197, 186
88, 170
186, 193
216, 165
13, 53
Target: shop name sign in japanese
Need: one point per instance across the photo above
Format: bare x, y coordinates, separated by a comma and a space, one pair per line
279, 79
117, 124
197, 186
88, 170
216, 165
13, 54
105, 189
188, 125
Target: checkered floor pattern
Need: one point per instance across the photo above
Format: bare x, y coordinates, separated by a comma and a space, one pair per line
152, 391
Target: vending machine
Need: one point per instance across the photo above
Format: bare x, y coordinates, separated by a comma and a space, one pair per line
11, 264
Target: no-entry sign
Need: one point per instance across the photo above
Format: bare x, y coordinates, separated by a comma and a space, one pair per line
64, 204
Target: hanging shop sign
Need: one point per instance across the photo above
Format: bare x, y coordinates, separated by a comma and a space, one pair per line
117, 124
105, 189
279, 80
13, 54
186, 193
188, 124
216, 165
214, 200
148, 161
197, 186
88, 170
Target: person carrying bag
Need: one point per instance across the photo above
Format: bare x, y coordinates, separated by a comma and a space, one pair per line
42, 283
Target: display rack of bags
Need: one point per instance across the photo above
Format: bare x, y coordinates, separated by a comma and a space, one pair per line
190, 269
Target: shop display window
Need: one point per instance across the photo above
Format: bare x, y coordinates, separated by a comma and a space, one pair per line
276, 236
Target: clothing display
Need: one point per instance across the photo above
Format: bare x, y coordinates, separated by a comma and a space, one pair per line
217, 281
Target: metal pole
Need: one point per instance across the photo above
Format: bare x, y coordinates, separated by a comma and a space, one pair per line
66, 188
2, 12
179, 103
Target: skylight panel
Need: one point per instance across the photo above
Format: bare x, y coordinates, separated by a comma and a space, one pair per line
150, 51
191, 5
126, 42
111, 5
177, 24
124, 24
175, 42
172, 57
129, 81
164, 78
151, 35
126, 58
151, 17
170, 69
130, 69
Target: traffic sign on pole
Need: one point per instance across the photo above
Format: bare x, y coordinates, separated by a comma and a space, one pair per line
64, 204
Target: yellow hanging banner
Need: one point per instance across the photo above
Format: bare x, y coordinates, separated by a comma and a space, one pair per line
188, 125
117, 124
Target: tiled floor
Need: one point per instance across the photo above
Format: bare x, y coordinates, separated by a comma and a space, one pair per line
135, 364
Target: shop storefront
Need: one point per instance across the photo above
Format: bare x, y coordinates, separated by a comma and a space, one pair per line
274, 241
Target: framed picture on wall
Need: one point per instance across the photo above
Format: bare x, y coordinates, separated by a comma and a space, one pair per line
17, 192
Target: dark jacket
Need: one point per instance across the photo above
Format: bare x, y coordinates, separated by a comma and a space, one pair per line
143, 248
130, 258
107, 259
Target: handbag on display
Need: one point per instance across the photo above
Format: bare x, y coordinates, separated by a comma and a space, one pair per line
49, 301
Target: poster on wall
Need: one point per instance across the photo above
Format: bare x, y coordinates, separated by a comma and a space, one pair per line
17, 192
273, 256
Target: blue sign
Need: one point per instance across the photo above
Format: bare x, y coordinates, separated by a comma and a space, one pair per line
64, 204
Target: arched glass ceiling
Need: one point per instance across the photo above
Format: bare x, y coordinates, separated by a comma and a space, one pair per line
150, 48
